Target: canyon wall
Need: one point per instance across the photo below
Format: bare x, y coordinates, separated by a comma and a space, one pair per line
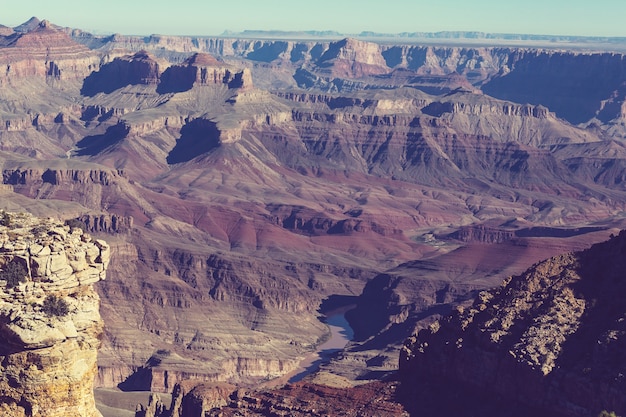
577, 86
50, 325
550, 339
235, 208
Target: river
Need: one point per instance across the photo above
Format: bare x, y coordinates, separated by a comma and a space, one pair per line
340, 334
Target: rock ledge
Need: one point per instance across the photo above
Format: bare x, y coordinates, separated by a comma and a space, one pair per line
50, 325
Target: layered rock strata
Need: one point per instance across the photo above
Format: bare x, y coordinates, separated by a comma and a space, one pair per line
294, 400
44, 52
50, 325
202, 70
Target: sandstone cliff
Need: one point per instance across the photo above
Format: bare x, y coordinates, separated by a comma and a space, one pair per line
551, 340
50, 326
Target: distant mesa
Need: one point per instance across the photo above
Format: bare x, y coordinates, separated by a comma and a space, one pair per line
143, 68
202, 69
353, 58
203, 60
42, 35
140, 68
283, 34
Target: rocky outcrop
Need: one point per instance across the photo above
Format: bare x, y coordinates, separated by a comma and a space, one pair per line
50, 326
483, 234
106, 223
143, 68
294, 400
60, 176
549, 339
507, 109
6, 31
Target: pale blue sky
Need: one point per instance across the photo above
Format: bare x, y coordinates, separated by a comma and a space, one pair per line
206, 17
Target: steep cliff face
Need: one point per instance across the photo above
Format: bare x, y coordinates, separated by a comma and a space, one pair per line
576, 87
350, 58
418, 138
550, 339
50, 326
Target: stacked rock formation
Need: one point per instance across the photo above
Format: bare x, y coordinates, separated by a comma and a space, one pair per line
50, 325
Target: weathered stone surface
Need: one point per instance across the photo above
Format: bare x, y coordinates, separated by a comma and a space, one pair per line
191, 399
551, 339
48, 357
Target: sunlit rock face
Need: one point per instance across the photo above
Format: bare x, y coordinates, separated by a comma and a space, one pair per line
50, 325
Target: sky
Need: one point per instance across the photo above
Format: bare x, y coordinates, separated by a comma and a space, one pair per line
206, 17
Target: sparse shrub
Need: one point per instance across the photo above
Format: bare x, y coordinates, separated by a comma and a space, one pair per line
37, 230
55, 306
13, 273
5, 219
607, 414
76, 224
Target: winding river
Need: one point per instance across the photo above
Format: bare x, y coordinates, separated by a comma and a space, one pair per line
341, 334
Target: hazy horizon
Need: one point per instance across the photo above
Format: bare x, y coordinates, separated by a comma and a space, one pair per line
602, 18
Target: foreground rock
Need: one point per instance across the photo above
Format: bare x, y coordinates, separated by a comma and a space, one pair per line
550, 341
50, 326
295, 400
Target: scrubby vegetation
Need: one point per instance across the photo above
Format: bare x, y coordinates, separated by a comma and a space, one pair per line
38, 230
5, 218
13, 273
55, 306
